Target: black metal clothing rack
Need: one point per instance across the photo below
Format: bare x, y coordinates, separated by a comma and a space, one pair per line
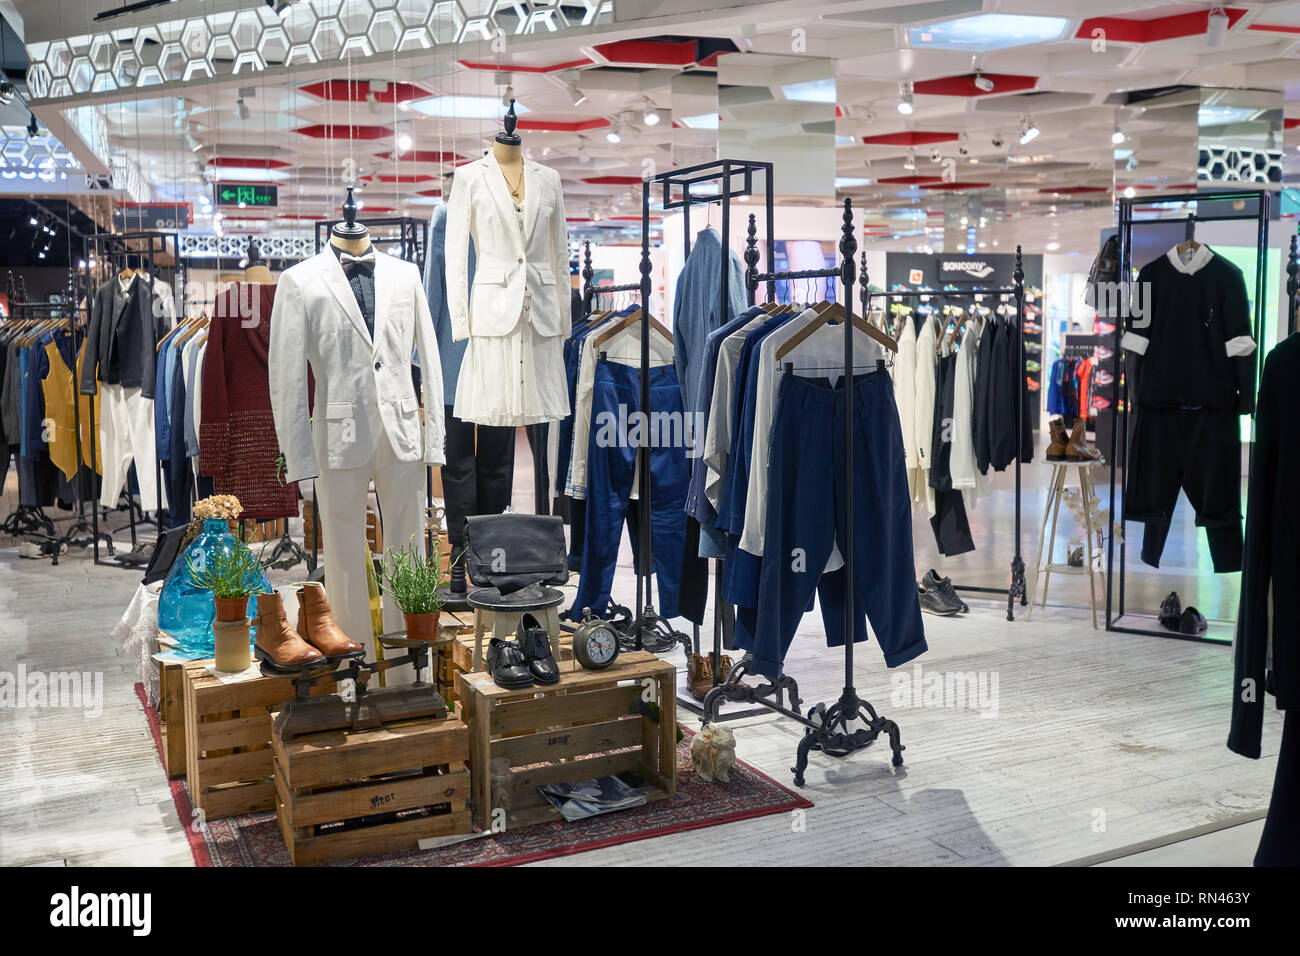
105, 254
410, 234
1016, 589
1293, 284
1127, 221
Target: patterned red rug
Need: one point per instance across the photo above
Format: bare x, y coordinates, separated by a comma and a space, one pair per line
254, 840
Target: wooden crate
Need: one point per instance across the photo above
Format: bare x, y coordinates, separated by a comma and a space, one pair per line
259, 531
344, 794
171, 716
228, 741
374, 532
463, 650
590, 724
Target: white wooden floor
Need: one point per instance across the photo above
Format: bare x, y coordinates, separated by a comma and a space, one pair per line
1100, 741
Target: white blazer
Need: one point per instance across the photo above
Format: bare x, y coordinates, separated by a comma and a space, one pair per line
506, 263
363, 388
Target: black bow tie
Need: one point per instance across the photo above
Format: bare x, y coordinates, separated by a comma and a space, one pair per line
349, 261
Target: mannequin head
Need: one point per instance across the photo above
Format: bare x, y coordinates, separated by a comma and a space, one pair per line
507, 136
350, 235
255, 268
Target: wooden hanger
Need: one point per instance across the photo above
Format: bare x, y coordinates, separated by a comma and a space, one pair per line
180, 326
626, 323
833, 312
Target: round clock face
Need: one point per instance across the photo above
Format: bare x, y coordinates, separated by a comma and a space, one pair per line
602, 646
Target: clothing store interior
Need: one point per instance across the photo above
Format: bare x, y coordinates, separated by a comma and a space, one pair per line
602, 432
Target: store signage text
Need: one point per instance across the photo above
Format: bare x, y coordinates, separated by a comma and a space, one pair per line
246, 195
975, 268
152, 216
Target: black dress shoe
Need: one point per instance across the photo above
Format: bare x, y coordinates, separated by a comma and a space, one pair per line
1192, 621
537, 651
932, 582
932, 602
506, 664
1171, 611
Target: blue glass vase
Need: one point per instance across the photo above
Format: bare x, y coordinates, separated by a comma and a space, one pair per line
186, 610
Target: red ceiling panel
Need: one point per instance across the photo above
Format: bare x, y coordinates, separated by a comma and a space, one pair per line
649, 52
237, 163
1075, 190
562, 126
1291, 122
1124, 30
518, 68
326, 131
423, 156
910, 138
613, 180
339, 91
406, 178
965, 85
955, 185
908, 180
1274, 28
429, 192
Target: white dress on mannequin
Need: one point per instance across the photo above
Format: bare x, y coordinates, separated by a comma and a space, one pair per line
518, 316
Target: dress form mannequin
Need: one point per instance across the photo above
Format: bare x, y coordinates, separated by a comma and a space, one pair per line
349, 235
508, 151
255, 269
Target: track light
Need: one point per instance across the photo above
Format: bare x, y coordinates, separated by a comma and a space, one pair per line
372, 102
7, 92
1129, 192
570, 81
508, 96
651, 115
983, 83
935, 155
998, 141
1216, 27
242, 109
33, 128
613, 135
1117, 137
905, 98
910, 161
33, 220
403, 140
1028, 131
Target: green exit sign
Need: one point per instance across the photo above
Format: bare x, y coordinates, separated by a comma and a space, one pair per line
246, 195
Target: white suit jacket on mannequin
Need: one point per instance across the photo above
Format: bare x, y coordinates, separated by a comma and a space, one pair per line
480, 206
364, 391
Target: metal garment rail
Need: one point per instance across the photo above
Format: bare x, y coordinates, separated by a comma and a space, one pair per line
826, 728
1293, 285
1119, 466
1017, 588
106, 255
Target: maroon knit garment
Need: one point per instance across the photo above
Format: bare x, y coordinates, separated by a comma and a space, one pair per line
237, 443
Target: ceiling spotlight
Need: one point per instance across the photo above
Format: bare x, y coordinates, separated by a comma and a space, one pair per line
1117, 137
192, 142
905, 98
33, 128
935, 155
1129, 192
963, 146
1216, 27
281, 7
33, 220
1028, 131
508, 96
998, 141
403, 140
242, 109
910, 161
613, 135
983, 83
651, 115
41, 254
570, 81
372, 102
7, 92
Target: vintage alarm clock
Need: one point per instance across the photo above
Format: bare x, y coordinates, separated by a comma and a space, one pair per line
595, 642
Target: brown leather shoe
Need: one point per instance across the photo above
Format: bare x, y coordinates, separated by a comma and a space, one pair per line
1078, 448
699, 676
316, 624
1056, 451
278, 645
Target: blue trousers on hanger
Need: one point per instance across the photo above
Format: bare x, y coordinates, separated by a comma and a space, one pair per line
611, 466
807, 512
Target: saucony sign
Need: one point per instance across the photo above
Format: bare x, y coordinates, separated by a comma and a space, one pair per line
975, 268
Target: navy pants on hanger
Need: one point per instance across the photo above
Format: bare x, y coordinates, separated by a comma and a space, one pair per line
611, 466
807, 512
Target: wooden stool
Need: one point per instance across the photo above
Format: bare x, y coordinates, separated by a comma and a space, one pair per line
1091, 557
501, 613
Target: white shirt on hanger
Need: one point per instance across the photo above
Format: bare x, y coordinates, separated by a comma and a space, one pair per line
717, 435
966, 476
926, 359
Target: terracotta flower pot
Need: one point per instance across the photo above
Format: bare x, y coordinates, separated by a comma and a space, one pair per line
422, 627
231, 609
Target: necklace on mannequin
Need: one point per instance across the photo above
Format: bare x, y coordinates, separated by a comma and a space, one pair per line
514, 190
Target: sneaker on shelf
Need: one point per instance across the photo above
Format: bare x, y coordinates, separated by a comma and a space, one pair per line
1033, 347
1103, 328
1099, 402
1032, 328
1032, 384
1102, 353
1103, 377
1032, 366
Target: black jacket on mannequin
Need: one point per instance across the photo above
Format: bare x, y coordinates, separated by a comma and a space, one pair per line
1271, 566
122, 337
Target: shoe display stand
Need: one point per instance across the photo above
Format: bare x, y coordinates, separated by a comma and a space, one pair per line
501, 615
347, 793
590, 724
1092, 551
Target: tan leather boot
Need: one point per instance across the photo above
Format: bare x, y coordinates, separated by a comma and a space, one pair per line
1078, 448
1056, 451
279, 645
699, 676
316, 624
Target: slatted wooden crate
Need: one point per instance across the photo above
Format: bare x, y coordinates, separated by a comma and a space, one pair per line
228, 741
345, 794
590, 724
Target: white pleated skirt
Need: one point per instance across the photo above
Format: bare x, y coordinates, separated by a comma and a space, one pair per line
513, 379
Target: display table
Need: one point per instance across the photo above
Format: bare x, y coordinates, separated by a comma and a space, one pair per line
502, 614
1092, 552
590, 724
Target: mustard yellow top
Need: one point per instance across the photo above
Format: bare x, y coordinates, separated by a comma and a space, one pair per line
59, 389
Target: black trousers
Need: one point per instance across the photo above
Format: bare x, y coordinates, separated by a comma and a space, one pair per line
1199, 451
1279, 845
479, 474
